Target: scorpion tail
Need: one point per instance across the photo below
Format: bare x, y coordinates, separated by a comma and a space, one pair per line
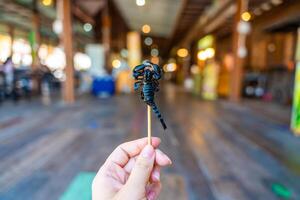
163, 123
157, 113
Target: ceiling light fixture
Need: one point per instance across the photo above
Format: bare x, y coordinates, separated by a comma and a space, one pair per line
46, 2
148, 41
154, 52
182, 52
116, 63
146, 28
246, 16
87, 27
140, 2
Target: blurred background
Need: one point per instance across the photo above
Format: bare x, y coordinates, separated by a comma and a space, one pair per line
230, 94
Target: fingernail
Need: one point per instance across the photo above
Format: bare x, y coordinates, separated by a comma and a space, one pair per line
148, 152
156, 175
164, 155
151, 195
169, 160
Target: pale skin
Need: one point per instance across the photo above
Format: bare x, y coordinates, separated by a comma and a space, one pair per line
131, 172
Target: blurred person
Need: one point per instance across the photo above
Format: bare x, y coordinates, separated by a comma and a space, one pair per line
8, 69
2, 86
131, 172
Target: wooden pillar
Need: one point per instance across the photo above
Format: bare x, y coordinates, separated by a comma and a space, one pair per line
64, 12
36, 35
237, 71
11, 35
106, 32
37, 38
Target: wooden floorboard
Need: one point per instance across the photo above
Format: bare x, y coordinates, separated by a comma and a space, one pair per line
221, 150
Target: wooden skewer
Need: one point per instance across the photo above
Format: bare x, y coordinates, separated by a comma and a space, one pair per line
149, 124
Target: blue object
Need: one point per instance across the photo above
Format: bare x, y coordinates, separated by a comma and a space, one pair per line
103, 86
80, 188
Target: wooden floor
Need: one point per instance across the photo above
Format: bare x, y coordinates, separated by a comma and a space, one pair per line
221, 151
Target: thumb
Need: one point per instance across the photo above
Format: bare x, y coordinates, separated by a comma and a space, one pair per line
142, 169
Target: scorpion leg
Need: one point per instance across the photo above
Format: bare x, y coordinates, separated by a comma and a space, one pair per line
137, 84
142, 95
155, 85
138, 71
157, 72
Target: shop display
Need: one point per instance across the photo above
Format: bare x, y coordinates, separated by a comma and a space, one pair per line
295, 121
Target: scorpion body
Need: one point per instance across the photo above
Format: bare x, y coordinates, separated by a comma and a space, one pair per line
147, 76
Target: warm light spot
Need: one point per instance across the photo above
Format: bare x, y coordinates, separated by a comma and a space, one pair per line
116, 63
210, 52
140, 2
246, 16
146, 28
47, 2
206, 54
155, 60
82, 61
182, 52
170, 67
201, 55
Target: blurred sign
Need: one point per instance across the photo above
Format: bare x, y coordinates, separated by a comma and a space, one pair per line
97, 56
134, 49
206, 42
295, 121
298, 47
210, 81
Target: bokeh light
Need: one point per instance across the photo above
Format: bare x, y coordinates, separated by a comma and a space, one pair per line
140, 2
116, 63
87, 27
182, 52
148, 41
246, 16
146, 28
47, 2
154, 52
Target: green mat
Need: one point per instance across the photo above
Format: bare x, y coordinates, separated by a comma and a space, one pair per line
80, 187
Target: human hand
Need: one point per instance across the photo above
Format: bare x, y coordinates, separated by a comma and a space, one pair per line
131, 172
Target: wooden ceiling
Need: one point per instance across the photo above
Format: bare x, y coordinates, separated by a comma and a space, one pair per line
190, 12
159, 14
255, 7
91, 7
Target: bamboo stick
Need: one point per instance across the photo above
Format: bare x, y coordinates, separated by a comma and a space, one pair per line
149, 124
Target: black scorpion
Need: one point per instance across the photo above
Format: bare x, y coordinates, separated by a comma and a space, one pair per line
147, 76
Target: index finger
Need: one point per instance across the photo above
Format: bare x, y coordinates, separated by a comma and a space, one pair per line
125, 151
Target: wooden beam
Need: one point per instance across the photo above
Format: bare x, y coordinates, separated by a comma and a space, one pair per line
106, 32
203, 21
197, 30
236, 75
36, 24
76, 10
64, 11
